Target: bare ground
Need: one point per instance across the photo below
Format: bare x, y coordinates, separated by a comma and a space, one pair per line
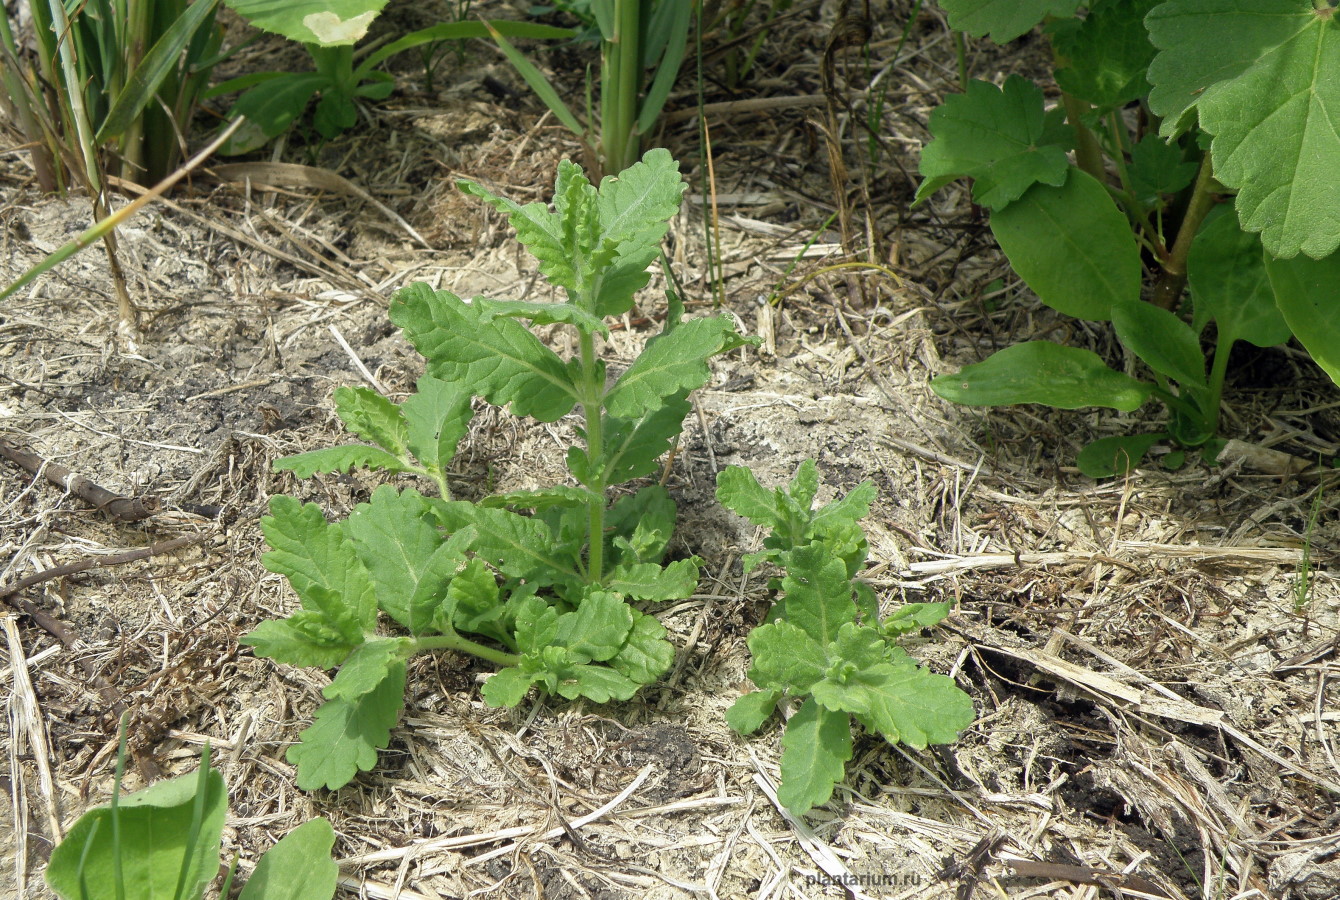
1149, 657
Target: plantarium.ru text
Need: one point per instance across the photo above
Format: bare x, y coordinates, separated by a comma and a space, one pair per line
544, 595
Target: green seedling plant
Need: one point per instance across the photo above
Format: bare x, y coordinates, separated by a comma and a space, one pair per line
164, 842
329, 29
642, 45
1168, 109
541, 583
825, 645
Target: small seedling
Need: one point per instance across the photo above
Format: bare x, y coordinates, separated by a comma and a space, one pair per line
825, 644
542, 579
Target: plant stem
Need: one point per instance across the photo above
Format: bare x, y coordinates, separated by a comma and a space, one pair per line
593, 396
454, 641
1088, 154
1168, 291
620, 81
1218, 369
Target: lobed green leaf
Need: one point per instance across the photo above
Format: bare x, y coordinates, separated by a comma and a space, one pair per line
1226, 271
436, 416
671, 364
916, 707
1118, 454
785, 658
338, 459
346, 735
1005, 20
366, 668
321, 565
646, 654
748, 713
815, 750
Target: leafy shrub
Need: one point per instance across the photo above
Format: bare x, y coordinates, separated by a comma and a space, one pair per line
546, 595
1166, 106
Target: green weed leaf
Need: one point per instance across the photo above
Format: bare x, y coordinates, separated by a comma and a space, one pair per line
518, 546
634, 211
598, 627
671, 364
749, 712
1004, 19
1226, 271
501, 361
1107, 53
1158, 169
1165, 343
539, 229
436, 417
815, 750
1261, 76
406, 556
346, 735
1043, 372
1116, 455
646, 655
1001, 138
372, 417
321, 565
1072, 246
540, 313
366, 668
322, 22
473, 604
916, 707
303, 639
649, 581
596, 683
914, 616
507, 687
270, 108
1305, 291
818, 592
785, 658
633, 448
298, 867
155, 828
560, 495
338, 459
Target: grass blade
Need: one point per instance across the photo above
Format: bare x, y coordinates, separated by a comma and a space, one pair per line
537, 82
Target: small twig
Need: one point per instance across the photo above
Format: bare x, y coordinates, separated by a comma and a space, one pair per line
99, 562
358, 363
122, 509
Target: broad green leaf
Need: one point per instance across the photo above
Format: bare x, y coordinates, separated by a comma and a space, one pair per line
335, 114
321, 565
649, 581
739, 491
270, 109
634, 209
539, 229
1305, 290
338, 459
536, 626
1043, 372
785, 658
671, 364
346, 736
323, 22
915, 616
1158, 168
1107, 53
747, 714
299, 867
518, 546
1000, 137
366, 668
914, 706
635, 448
1004, 19
1116, 455
642, 524
303, 639
501, 361
860, 645
597, 683
400, 545
818, 592
815, 750
437, 416
598, 627
646, 655
155, 837
844, 512
540, 313
1226, 271
1072, 246
507, 687
1261, 75
473, 603
372, 417
1165, 343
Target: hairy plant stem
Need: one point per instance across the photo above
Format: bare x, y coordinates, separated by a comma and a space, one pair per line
454, 641
592, 402
1168, 291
